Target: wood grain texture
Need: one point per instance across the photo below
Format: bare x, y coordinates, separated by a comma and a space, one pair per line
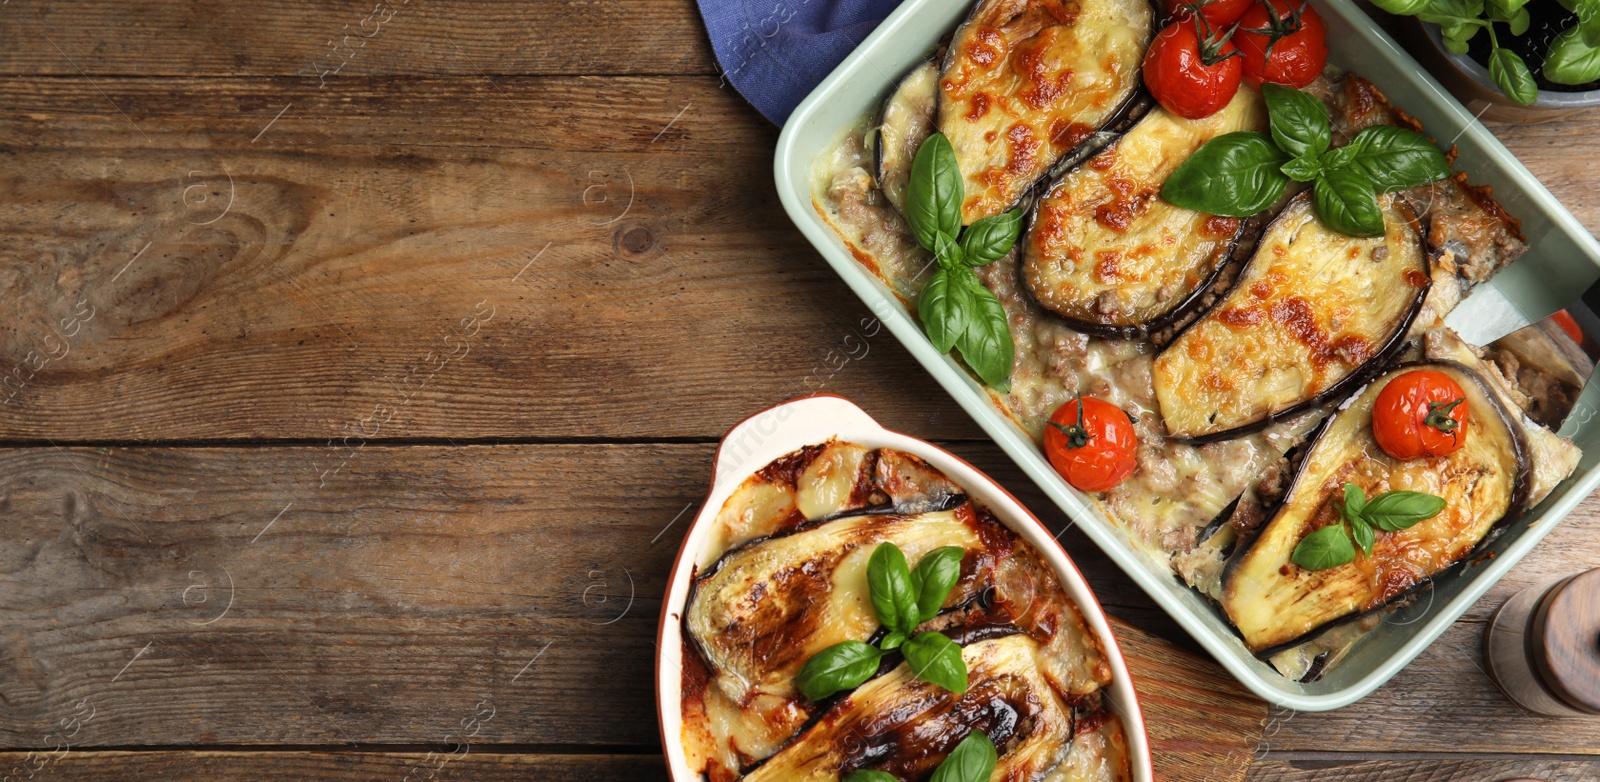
240, 596
1424, 769
1203, 725
446, 763
306, 39
287, 294
374, 213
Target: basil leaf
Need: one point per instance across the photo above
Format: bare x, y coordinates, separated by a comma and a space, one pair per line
1339, 158
1438, 10
1571, 61
936, 574
1346, 203
947, 252
934, 192
1588, 12
892, 597
1512, 76
1397, 510
1504, 10
1361, 532
1326, 548
986, 343
839, 667
1401, 7
1355, 500
944, 308
1233, 175
1299, 122
892, 641
973, 760
1394, 158
867, 775
1456, 47
935, 658
1301, 169
989, 239
1520, 21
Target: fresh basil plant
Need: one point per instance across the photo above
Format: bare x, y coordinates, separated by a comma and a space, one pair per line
902, 598
973, 760
1573, 58
956, 310
1242, 173
1392, 511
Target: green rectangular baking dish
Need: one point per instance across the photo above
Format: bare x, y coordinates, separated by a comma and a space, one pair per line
1562, 258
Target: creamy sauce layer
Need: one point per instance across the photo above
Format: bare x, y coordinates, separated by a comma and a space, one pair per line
1179, 489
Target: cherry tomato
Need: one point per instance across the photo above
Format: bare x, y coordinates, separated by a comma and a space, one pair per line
1283, 42
1191, 68
1421, 413
1568, 325
1220, 13
1091, 443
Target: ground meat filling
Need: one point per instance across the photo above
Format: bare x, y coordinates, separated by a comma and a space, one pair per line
1181, 496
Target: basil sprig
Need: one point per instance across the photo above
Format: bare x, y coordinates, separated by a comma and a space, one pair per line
1239, 174
1392, 511
902, 598
956, 310
973, 760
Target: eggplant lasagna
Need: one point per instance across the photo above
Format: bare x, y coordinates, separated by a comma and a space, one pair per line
784, 576
1230, 342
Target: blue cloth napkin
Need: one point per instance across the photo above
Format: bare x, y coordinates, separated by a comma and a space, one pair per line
775, 52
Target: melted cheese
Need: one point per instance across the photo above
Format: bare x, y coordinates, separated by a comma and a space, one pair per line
913, 724
768, 605
1025, 81
1274, 602
1312, 307
772, 605
1105, 248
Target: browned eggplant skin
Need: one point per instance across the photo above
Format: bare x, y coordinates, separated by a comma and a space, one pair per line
1085, 140
1109, 256
1521, 492
1184, 308
880, 164
1381, 357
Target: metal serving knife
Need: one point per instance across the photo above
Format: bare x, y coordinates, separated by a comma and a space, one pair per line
1562, 348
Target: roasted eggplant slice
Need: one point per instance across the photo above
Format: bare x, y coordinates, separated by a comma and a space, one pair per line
1026, 81
771, 605
1313, 312
906, 122
904, 726
1106, 253
1275, 602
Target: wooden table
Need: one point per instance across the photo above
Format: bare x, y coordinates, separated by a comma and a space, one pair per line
366, 362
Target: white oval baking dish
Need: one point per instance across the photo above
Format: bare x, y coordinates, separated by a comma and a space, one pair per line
773, 432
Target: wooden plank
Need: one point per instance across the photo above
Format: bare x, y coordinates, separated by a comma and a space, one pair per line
1203, 725
621, 278
350, 565
448, 762
307, 39
370, 219
1424, 769
236, 596
692, 117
